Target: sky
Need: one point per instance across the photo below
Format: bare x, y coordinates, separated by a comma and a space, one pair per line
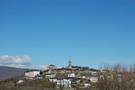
89, 32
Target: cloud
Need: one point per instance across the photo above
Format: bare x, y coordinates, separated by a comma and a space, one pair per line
43, 67
40, 67
15, 61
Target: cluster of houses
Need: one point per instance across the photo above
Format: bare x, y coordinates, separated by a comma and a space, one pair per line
70, 76
65, 77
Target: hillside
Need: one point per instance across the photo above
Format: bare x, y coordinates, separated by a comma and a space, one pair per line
10, 72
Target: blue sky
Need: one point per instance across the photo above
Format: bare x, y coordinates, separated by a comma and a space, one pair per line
89, 32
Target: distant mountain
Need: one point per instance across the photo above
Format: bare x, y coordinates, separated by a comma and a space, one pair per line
10, 72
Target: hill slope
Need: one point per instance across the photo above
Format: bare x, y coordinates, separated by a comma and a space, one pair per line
10, 72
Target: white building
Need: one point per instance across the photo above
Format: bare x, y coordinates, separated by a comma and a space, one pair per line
93, 73
84, 77
71, 75
20, 81
51, 76
32, 74
65, 82
87, 85
94, 79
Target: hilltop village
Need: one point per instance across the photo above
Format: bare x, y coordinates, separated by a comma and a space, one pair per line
74, 77
66, 77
